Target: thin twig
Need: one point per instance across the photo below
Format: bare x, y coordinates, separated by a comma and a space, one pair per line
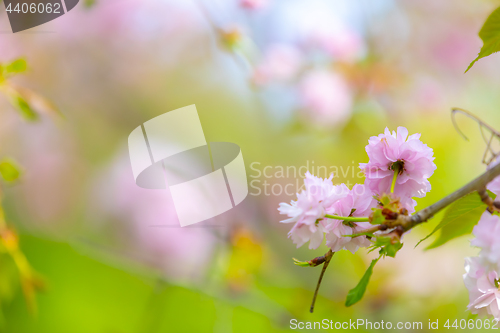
482, 125
454, 111
328, 257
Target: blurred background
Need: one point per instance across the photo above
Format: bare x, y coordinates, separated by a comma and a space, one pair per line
294, 83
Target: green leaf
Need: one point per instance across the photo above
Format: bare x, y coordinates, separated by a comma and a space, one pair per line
386, 246
490, 34
357, 292
459, 219
301, 263
380, 241
391, 249
24, 108
9, 170
15, 67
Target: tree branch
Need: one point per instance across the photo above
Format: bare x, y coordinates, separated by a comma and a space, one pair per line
478, 184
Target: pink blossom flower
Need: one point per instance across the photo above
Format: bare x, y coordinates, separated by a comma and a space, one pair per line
281, 62
326, 97
321, 197
357, 203
414, 159
302, 233
312, 202
363, 200
482, 284
310, 208
487, 233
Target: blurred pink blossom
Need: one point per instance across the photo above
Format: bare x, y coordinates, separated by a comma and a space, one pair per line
428, 93
154, 233
136, 19
341, 43
281, 62
326, 97
254, 4
53, 170
454, 49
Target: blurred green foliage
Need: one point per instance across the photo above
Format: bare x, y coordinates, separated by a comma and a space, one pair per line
10, 171
28, 103
15, 67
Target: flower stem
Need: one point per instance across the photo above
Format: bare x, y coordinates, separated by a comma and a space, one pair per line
394, 178
348, 218
328, 257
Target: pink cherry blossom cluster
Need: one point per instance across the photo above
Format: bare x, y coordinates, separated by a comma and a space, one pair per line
317, 207
482, 273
